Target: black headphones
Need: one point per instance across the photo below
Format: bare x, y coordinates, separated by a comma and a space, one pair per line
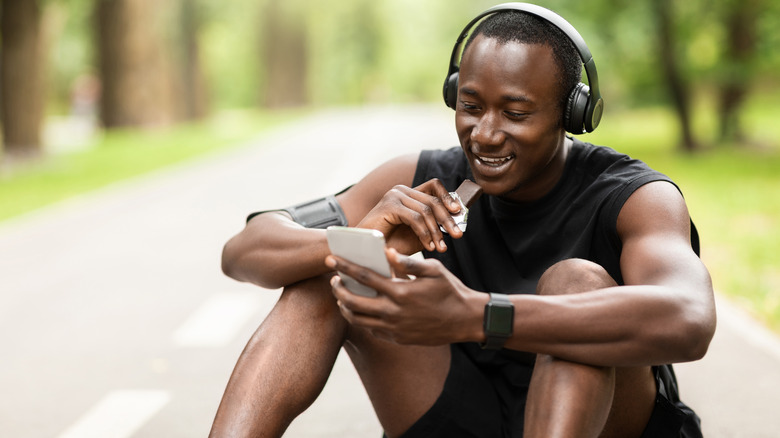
585, 106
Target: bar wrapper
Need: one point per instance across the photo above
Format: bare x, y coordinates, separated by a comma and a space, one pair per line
466, 194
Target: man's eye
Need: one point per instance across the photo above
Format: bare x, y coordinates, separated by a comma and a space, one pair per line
468, 106
515, 115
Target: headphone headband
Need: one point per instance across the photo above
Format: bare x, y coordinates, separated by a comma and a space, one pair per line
595, 104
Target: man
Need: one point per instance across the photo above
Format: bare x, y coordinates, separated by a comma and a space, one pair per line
592, 249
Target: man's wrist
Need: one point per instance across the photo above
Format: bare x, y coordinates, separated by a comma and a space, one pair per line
471, 329
498, 322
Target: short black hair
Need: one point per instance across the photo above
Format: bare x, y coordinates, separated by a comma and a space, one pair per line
525, 28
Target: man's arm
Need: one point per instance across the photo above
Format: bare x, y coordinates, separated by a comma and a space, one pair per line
665, 312
273, 251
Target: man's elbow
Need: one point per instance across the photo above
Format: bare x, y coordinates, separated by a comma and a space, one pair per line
229, 261
698, 334
241, 266
233, 261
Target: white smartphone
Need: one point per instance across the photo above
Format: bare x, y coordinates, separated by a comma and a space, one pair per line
363, 247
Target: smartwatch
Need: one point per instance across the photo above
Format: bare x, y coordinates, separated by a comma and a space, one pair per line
498, 321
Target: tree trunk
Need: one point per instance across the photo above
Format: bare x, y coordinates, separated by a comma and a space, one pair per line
675, 82
135, 89
193, 86
22, 82
284, 57
741, 41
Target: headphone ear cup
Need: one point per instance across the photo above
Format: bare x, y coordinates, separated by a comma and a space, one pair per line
451, 90
576, 109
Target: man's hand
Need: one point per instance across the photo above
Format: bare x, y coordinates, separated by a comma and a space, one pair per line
410, 217
424, 305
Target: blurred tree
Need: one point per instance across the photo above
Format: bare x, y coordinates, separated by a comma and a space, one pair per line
136, 90
230, 49
740, 22
22, 81
345, 44
193, 84
414, 41
297, 52
703, 50
285, 54
675, 80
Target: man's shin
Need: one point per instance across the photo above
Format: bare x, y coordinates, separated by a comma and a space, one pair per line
285, 364
568, 399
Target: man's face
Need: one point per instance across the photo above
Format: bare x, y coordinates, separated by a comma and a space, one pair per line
508, 118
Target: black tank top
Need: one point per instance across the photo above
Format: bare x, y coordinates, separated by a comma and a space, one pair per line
508, 246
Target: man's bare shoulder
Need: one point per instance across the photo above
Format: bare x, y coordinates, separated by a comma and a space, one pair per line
656, 206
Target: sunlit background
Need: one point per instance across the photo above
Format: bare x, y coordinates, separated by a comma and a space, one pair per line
694, 75
97, 91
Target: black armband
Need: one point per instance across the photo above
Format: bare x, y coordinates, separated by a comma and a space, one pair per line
320, 213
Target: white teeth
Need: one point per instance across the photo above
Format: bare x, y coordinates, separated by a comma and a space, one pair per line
493, 160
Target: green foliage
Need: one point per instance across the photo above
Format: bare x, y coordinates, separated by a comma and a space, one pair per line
72, 53
230, 52
397, 50
387, 50
768, 59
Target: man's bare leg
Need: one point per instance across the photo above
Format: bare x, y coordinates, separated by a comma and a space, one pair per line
403, 382
285, 364
567, 399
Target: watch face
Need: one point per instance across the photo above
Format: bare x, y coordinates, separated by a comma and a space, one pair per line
500, 319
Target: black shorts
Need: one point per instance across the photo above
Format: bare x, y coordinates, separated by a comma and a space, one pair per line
489, 401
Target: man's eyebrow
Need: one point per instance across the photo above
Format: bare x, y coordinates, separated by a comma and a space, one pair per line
521, 98
507, 97
469, 91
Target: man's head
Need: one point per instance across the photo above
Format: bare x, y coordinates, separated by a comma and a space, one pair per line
508, 118
511, 94
581, 105
525, 28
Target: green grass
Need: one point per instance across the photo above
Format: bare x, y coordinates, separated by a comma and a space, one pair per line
733, 194
121, 154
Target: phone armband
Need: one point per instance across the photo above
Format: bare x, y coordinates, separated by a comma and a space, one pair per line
320, 213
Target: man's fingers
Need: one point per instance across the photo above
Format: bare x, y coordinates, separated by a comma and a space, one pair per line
358, 310
356, 304
450, 206
418, 216
431, 209
359, 273
435, 188
405, 266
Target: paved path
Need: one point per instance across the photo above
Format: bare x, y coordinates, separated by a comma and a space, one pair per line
115, 320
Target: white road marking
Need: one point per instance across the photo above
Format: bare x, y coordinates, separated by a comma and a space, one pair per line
217, 321
119, 414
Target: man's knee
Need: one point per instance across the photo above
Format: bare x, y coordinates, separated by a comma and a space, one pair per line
312, 298
306, 309
572, 276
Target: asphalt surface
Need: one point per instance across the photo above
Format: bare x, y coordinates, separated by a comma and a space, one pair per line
116, 321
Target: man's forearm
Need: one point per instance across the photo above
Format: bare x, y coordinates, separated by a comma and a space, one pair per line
272, 252
619, 326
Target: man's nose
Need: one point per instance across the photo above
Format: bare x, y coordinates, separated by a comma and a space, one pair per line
487, 130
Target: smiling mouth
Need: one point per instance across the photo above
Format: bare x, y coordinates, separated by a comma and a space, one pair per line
494, 162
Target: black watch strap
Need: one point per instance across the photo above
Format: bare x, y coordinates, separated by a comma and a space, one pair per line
498, 321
